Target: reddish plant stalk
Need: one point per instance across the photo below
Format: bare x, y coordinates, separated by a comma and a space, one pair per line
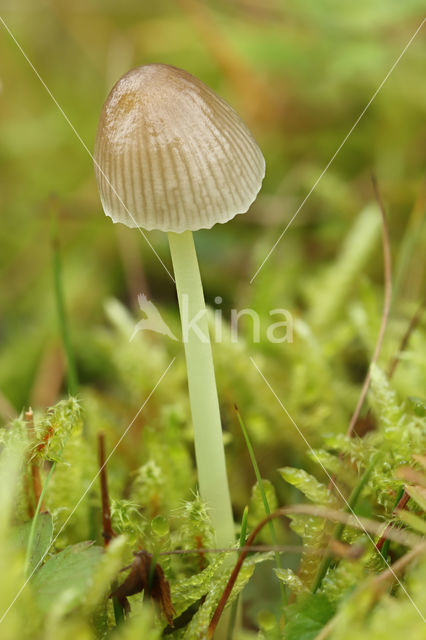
405, 338
387, 265
35, 469
230, 584
366, 524
107, 531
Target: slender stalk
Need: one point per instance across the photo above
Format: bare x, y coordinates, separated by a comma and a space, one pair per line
387, 301
264, 498
209, 450
35, 469
243, 532
35, 518
236, 603
107, 530
61, 311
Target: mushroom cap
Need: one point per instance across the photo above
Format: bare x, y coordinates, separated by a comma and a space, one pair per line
172, 155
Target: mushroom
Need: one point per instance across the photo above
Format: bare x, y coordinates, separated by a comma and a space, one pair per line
172, 155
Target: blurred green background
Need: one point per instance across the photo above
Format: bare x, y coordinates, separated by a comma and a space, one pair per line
300, 73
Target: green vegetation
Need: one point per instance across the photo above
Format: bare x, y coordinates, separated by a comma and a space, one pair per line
300, 74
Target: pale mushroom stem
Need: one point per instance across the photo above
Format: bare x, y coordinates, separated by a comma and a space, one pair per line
209, 450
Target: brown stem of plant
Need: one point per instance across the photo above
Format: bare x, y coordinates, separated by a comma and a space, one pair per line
400, 505
35, 469
230, 584
405, 338
386, 305
387, 264
107, 531
366, 524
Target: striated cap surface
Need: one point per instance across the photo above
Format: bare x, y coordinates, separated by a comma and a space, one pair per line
172, 155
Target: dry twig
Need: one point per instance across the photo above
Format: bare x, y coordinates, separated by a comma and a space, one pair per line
386, 306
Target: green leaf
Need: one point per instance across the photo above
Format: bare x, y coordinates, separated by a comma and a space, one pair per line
384, 402
308, 485
42, 538
306, 618
289, 578
69, 572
